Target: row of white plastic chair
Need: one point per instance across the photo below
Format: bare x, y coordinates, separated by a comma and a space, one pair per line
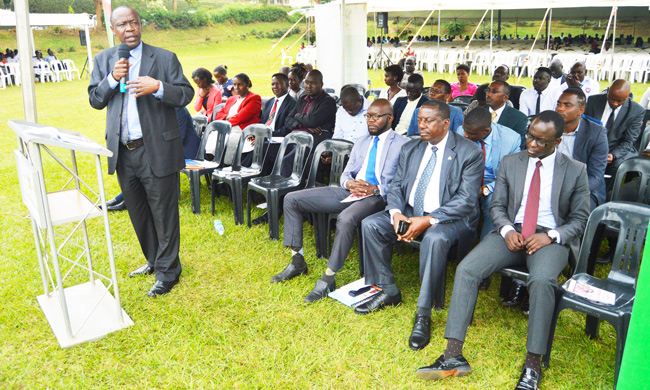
55, 71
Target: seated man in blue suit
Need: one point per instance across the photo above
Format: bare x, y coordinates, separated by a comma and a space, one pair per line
404, 107
496, 96
368, 174
495, 141
440, 90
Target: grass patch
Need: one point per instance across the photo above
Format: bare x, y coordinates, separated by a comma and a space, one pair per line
225, 325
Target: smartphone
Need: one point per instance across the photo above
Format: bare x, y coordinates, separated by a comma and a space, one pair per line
402, 227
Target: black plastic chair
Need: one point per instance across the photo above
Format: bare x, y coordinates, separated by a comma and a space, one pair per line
425, 91
275, 186
235, 176
530, 120
340, 149
646, 118
372, 92
194, 175
216, 109
462, 106
633, 224
621, 191
200, 123
465, 99
359, 87
329, 90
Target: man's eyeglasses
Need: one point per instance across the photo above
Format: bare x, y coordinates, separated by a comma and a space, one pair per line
540, 142
374, 117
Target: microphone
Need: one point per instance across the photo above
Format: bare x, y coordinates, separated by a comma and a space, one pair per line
123, 52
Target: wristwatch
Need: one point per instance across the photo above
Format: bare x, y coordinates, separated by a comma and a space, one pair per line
552, 237
376, 192
486, 191
433, 221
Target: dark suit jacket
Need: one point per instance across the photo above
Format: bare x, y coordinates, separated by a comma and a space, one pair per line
515, 95
400, 105
191, 140
516, 120
569, 197
591, 149
322, 113
460, 179
624, 134
280, 116
160, 131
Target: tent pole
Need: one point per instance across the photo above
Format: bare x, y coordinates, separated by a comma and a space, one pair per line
26, 46
342, 44
609, 23
533, 46
474, 33
614, 33
499, 27
438, 66
375, 19
284, 36
90, 52
420, 29
491, 38
548, 36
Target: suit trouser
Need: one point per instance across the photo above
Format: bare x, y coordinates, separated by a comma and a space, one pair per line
378, 240
152, 203
491, 255
487, 226
328, 200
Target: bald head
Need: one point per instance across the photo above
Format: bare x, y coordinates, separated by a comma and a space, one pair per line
379, 117
382, 105
121, 10
618, 93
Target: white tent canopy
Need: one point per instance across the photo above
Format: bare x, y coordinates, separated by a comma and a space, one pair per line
8, 19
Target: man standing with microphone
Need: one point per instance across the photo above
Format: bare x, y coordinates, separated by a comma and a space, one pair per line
143, 134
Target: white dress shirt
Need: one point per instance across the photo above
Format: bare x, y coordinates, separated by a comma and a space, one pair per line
568, 142
235, 108
349, 127
607, 112
528, 100
361, 175
499, 111
545, 216
405, 120
383, 94
589, 86
280, 100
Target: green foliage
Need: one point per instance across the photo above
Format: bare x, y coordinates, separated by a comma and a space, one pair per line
455, 28
236, 14
83, 6
241, 14
50, 6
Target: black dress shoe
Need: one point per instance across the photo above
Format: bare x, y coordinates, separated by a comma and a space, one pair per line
320, 291
421, 333
116, 207
443, 368
485, 284
289, 273
160, 288
519, 294
113, 202
525, 307
379, 302
144, 270
529, 379
264, 218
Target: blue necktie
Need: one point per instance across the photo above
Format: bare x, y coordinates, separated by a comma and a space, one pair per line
372, 161
124, 122
418, 206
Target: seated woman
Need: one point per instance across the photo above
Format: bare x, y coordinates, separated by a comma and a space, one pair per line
393, 75
241, 109
296, 75
224, 84
462, 87
207, 96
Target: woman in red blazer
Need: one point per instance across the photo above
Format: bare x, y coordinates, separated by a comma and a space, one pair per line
241, 109
207, 95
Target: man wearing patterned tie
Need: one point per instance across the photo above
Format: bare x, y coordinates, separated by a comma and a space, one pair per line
434, 191
274, 111
539, 207
367, 175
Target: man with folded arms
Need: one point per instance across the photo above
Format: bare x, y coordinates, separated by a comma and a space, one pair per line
539, 207
369, 172
435, 191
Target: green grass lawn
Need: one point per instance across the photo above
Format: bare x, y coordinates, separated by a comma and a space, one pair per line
225, 325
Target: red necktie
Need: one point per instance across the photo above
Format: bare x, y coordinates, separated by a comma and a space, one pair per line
272, 114
532, 205
483, 147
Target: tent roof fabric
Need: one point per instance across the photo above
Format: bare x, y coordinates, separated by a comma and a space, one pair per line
8, 19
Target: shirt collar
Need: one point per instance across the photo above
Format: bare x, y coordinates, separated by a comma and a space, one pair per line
136, 52
281, 98
488, 140
548, 161
499, 110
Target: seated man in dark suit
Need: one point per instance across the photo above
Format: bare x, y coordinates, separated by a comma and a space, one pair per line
369, 171
540, 207
496, 97
440, 90
404, 107
622, 118
502, 73
434, 191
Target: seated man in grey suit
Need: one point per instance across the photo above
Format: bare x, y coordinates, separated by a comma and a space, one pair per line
540, 207
369, 171
434, 191
622, 117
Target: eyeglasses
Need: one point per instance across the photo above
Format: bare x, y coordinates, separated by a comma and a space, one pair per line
374, 117
540, 142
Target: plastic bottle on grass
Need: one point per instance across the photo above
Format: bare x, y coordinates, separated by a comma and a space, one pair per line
218, 226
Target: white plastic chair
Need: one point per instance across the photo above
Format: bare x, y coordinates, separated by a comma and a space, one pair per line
46, 72
286, 57
70, 68
57, 68
13, 71
4, 79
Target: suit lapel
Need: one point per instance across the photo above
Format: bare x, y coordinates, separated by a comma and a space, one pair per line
520, 179
581, 141
147, 60
495, 154
558, 178
504, 115
447, 159
621, 115
384, 151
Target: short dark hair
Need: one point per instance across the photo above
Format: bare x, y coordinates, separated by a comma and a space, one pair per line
317, 73
299, 69
545, 70
221, 69
396, 71
349, 94
506, 86
282, 77
244, 77
203, 74
441, 107
479, 116
582, 98
462, 67
416, 79
479, 95
550, 116
445, 83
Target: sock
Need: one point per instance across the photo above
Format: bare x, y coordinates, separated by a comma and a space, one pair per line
389, 289
534, 362
295, 250
329, 272
424, 311
297, 259
329, 279
454, 348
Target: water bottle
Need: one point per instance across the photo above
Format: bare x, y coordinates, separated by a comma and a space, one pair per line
218, 226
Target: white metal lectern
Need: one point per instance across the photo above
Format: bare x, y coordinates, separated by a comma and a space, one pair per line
85, 311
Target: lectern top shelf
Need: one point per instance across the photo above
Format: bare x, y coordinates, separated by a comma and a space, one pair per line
53, 136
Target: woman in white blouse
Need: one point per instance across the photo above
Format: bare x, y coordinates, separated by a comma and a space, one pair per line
392, 76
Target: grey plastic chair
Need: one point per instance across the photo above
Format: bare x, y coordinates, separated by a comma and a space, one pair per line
200, 123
